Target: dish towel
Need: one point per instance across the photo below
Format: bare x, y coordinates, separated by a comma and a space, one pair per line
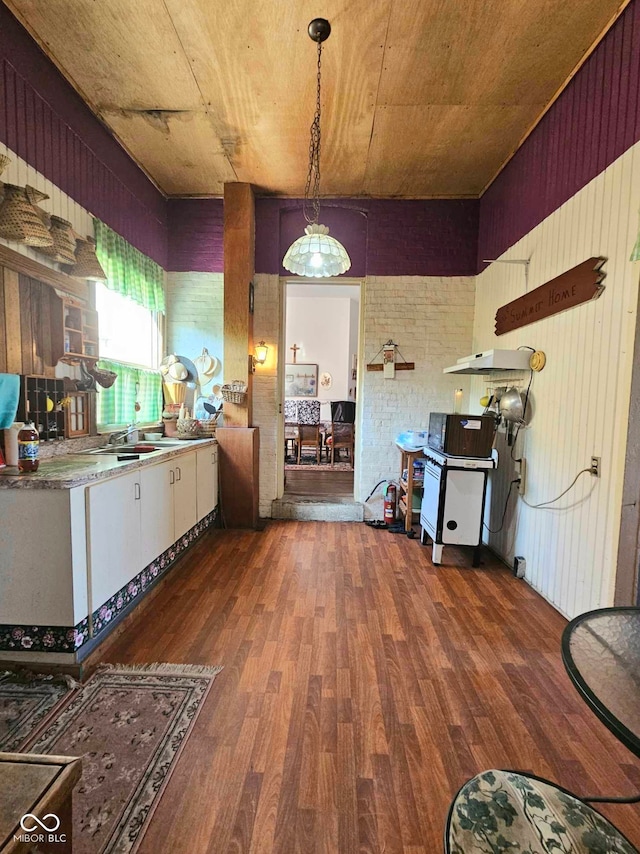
9, 395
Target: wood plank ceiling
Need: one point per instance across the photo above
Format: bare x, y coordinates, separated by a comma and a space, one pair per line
421, 98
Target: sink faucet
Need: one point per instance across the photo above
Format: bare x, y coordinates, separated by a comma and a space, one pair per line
122, 436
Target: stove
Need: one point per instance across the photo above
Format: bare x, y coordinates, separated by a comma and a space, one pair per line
453, 501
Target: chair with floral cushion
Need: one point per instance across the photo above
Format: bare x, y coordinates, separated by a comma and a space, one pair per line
504, 811
308, 412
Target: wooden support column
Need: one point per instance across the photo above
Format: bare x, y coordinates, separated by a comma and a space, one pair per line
239, 466
239, 442
239, 264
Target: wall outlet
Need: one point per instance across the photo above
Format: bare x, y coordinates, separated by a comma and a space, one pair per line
519, 566
521, 470
595, 466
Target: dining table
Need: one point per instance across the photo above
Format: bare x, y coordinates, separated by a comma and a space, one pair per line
601, 654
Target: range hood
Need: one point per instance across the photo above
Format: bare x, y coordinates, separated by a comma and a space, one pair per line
491, 360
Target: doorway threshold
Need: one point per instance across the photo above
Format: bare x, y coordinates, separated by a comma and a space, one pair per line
317, 508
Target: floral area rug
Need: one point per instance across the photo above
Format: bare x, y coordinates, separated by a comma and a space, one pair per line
306, 463
129, 725
25, 702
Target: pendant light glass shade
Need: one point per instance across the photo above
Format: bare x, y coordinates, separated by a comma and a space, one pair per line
316, 254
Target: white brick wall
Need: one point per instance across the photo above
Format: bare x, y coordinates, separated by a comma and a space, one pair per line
266, 325
195, 315
430, 318
431, 321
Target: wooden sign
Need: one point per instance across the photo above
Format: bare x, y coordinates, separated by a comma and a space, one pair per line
578, 285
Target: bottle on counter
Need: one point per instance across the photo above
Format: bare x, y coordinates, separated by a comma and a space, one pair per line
28, 441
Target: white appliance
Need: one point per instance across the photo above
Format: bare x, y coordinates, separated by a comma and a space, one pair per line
453, 500
491, 360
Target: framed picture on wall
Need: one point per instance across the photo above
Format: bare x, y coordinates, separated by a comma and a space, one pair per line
301, 381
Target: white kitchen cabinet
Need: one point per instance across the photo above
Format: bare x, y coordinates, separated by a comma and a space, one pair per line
113, 528
207, 481
156, 507
184, 494
93, 536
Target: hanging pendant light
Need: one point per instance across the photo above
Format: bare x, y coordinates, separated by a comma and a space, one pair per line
316, 254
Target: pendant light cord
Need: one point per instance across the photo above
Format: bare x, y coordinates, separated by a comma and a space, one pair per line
311, 204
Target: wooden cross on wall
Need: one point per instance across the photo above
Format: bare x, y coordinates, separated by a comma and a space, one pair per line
295, 349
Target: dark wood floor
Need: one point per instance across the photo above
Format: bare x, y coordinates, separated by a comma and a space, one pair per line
314, 482
361, 687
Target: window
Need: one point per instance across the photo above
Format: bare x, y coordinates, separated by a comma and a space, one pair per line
130, 345
128, 331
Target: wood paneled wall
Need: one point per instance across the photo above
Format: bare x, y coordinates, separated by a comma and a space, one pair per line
580, 401
31, 315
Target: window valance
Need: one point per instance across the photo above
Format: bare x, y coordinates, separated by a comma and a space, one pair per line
129, 272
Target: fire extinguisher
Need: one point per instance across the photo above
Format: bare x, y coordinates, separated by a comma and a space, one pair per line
390, 503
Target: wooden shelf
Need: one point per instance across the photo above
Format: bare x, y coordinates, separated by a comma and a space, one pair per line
60, 423
409, 487
80, 332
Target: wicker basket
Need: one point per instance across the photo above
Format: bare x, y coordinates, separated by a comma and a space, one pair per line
187, 428
20, 220
64, 242
207, 429
87, 265
234, 392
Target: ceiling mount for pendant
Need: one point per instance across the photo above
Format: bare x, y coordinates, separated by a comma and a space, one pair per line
319, 30
316, 254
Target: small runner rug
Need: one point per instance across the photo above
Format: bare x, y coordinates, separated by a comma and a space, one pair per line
129, 724
310, 463
25, 701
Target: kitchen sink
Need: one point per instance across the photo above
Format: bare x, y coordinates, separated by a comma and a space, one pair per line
139, 449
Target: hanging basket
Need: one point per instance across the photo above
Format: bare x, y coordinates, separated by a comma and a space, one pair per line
64, 241
20, 220
234, 392
87, 265
103, 377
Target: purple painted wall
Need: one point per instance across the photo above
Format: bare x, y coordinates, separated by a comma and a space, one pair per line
46, 122
384, 237
593, 122
195, 235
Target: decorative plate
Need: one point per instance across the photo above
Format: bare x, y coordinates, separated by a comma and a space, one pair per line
326, 380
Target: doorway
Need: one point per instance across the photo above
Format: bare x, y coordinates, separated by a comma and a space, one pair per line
319, 383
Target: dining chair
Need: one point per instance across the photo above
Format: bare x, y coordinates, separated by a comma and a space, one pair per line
308, 412
309, 437
290, 412
341, 434
342, 437
509, 811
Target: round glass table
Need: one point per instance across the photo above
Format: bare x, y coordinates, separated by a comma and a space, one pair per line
601, 652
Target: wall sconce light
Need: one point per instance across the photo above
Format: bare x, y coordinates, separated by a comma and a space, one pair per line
260, 356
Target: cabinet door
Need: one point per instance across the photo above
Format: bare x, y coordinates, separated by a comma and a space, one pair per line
463, 504
156, 511
430, 499
184, 494
113, 510
207, 480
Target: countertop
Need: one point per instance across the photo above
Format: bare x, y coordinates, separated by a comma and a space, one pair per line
70, 470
